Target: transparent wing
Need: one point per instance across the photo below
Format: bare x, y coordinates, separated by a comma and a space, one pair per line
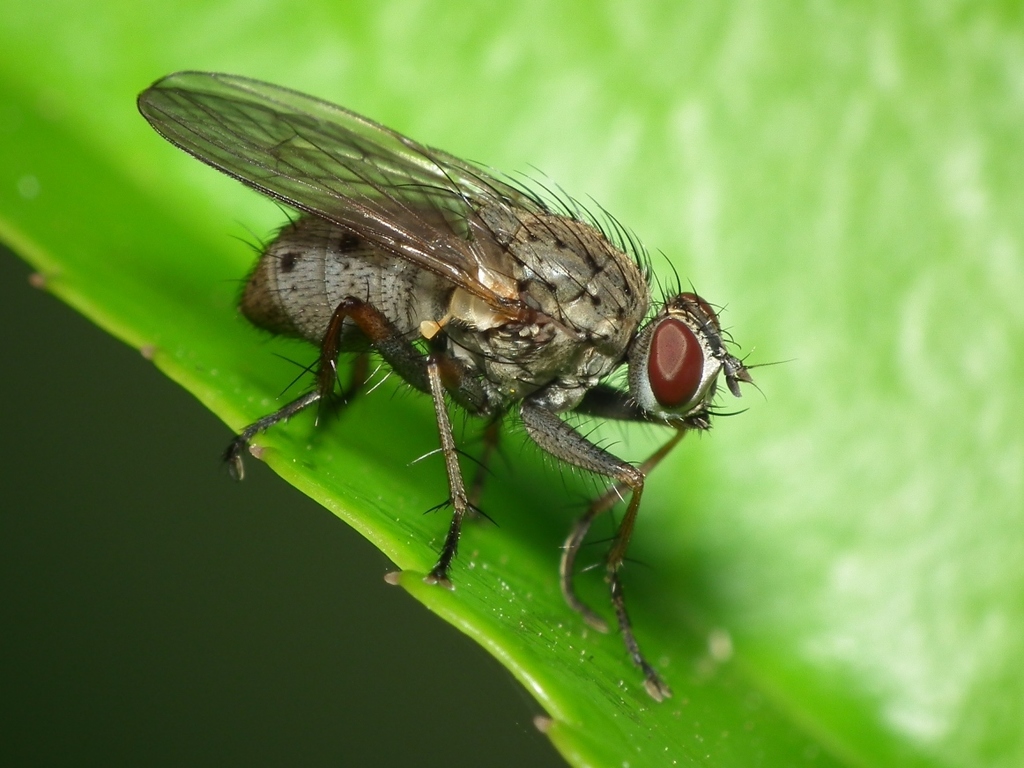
417, 203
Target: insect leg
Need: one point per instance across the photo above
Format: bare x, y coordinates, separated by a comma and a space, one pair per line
582, 526
233, 453
436, 373
399, 353
456, 486
562, 441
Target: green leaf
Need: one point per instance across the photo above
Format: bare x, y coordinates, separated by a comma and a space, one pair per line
834, 576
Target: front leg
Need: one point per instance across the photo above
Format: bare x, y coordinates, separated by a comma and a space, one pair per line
581, 527
556, 437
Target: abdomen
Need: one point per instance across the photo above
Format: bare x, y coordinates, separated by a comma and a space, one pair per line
312, 265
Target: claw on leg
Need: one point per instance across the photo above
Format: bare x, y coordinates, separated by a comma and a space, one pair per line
439, 577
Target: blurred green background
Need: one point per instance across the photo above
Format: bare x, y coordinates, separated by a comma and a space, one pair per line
846, 179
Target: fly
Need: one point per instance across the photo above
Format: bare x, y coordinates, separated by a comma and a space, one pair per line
469, 287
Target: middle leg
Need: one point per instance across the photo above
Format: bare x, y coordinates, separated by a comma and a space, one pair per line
458, 497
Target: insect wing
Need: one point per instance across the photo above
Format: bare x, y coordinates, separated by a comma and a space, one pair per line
417, 203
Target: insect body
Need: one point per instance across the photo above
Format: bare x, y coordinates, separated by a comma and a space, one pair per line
468, 286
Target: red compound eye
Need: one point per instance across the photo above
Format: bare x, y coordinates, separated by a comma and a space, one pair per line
676, 363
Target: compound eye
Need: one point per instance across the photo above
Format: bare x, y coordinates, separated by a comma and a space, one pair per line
675, 365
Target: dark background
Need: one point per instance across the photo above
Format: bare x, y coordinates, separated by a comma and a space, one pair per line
152, 612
